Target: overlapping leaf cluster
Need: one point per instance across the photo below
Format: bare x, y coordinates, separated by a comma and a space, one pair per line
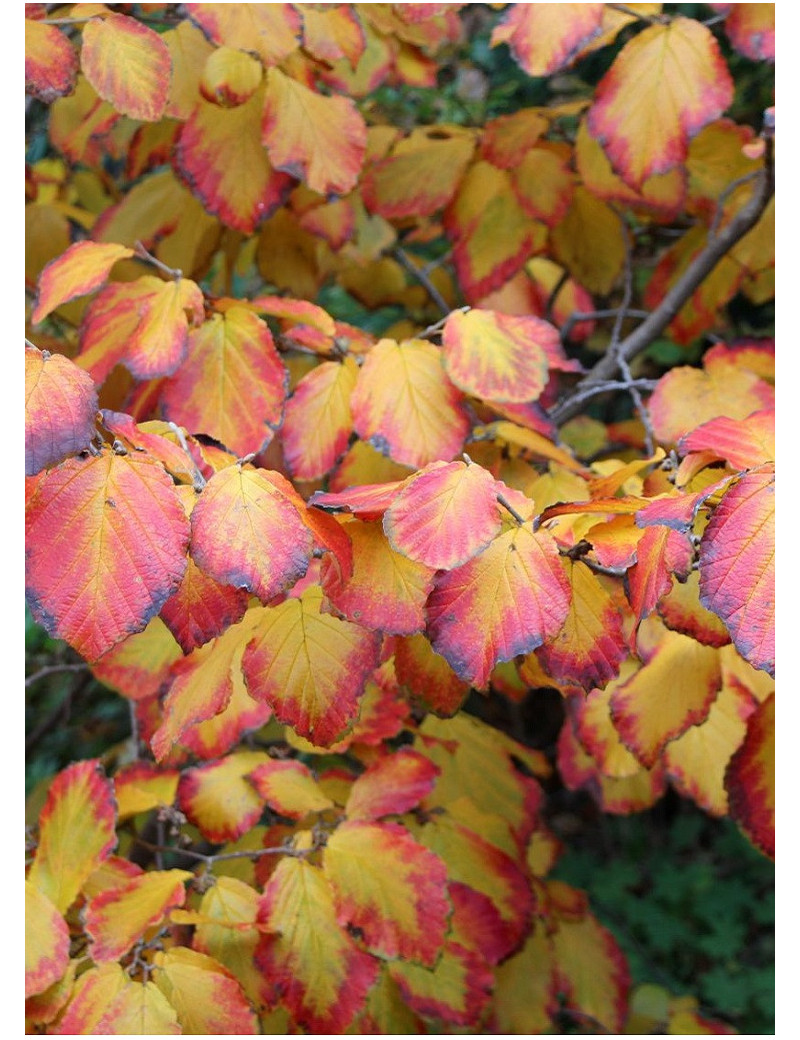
295, 546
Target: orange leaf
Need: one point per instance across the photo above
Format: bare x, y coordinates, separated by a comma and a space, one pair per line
76, 832
751, 29
309, 960
94, 991
139, 1008
444, 515
208, 999
60, 409
51, 64
457, 989
309, 666
661, 554
128, 65
318, 421
391, 785
78, 271
219, 799
404, 404
547, 37
272, 31
46, 942
428, 676
201, 608
544, 185
750, 779
117, 917
159, 341
743, 444
389, 887
247, 533
318, 139
232, 386
506, 601
737, 566
664, 86
230, 77
289, 787
138, 666
497, 356
106, 540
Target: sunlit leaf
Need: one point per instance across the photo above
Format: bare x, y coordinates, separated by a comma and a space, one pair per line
128, 64
60, 409
46, 942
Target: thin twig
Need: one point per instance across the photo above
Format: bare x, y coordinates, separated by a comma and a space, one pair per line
507, 505
144, 254
651, 19
578, 316
51, 669
421, 276
198, 480
439, 325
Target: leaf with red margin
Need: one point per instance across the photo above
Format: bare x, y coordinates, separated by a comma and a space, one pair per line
272, 31
51, 63
332, 33
497, 357
473, 921
393, 890
46, 942
94, 991
81, 269
590, 716
117, 917
217, 735
457, 989
289, 787
138, 667
208, 999
405, 405
109, 320
232, 386
506, 140
320, 140
386, 591
201, 688
366, 501
128, 65
247, 533
230, 77
159, 439
219, 799
508, 600
661, 554
544, 184
391, 785
743, 443
592, 971
750, 779
309, 667
60, 409
106, 540
421, 174
679, 82
44, 1008
672, 691
696, 762
750, 28
139, 1008
387, 1012
220, 156
76, 832
159, 341
142, 786
591, 645
295, 312
682, 611
526, 988
428, 676
737, 566
383, 710
310, 961
318, 422
547, 37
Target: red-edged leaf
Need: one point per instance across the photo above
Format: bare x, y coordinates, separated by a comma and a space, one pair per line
201, 608
208, 999
128, 65
78, 271
272, 31
660, 554
750, 779
232, 385
389, 887
247, 533
230, 77
289, 787
46, 942
106, 540
497, 356
506, 601
60, 409
367, 501
142, 786
678, 81
457, 989
51, 63
76, 832
737, 566
544, 184
159, 341
216, 736
743, 444
219, 799
318, 421
547, 37
117, 917
309, 666
526, 988
750, 28
309, 960
318, 139
391, 785
386, 591
139, 665
428, 676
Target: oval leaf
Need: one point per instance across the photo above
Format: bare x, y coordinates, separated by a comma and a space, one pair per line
128, 65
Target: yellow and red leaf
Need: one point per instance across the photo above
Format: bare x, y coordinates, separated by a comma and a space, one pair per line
272, 31
51, 64
547, 37
288, 786
428, 676
318, 422
139, 1008
81, 269
750, 779
457, 989
60, 409
208, 999
46, 942
219, 799
128, 65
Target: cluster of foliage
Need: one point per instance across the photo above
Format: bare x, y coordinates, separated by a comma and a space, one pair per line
295, 542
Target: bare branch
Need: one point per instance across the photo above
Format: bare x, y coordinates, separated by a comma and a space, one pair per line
421, 276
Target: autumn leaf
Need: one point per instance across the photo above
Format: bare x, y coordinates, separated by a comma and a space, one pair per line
159, 341
51, 64
288, 786
106, 539
141, 786
46, 942
750, 28
547, 37
60, 409
272, 31
219, 799
455, 990
428, 676
318, 139
81, 269
664, 86
128, 65
743, 444
391, 785
318, 421
208, 999
750, 779
138, 666
230, 77
139, 1008
526, 987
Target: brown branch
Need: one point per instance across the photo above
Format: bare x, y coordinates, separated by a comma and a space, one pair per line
405, 262
704, 263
